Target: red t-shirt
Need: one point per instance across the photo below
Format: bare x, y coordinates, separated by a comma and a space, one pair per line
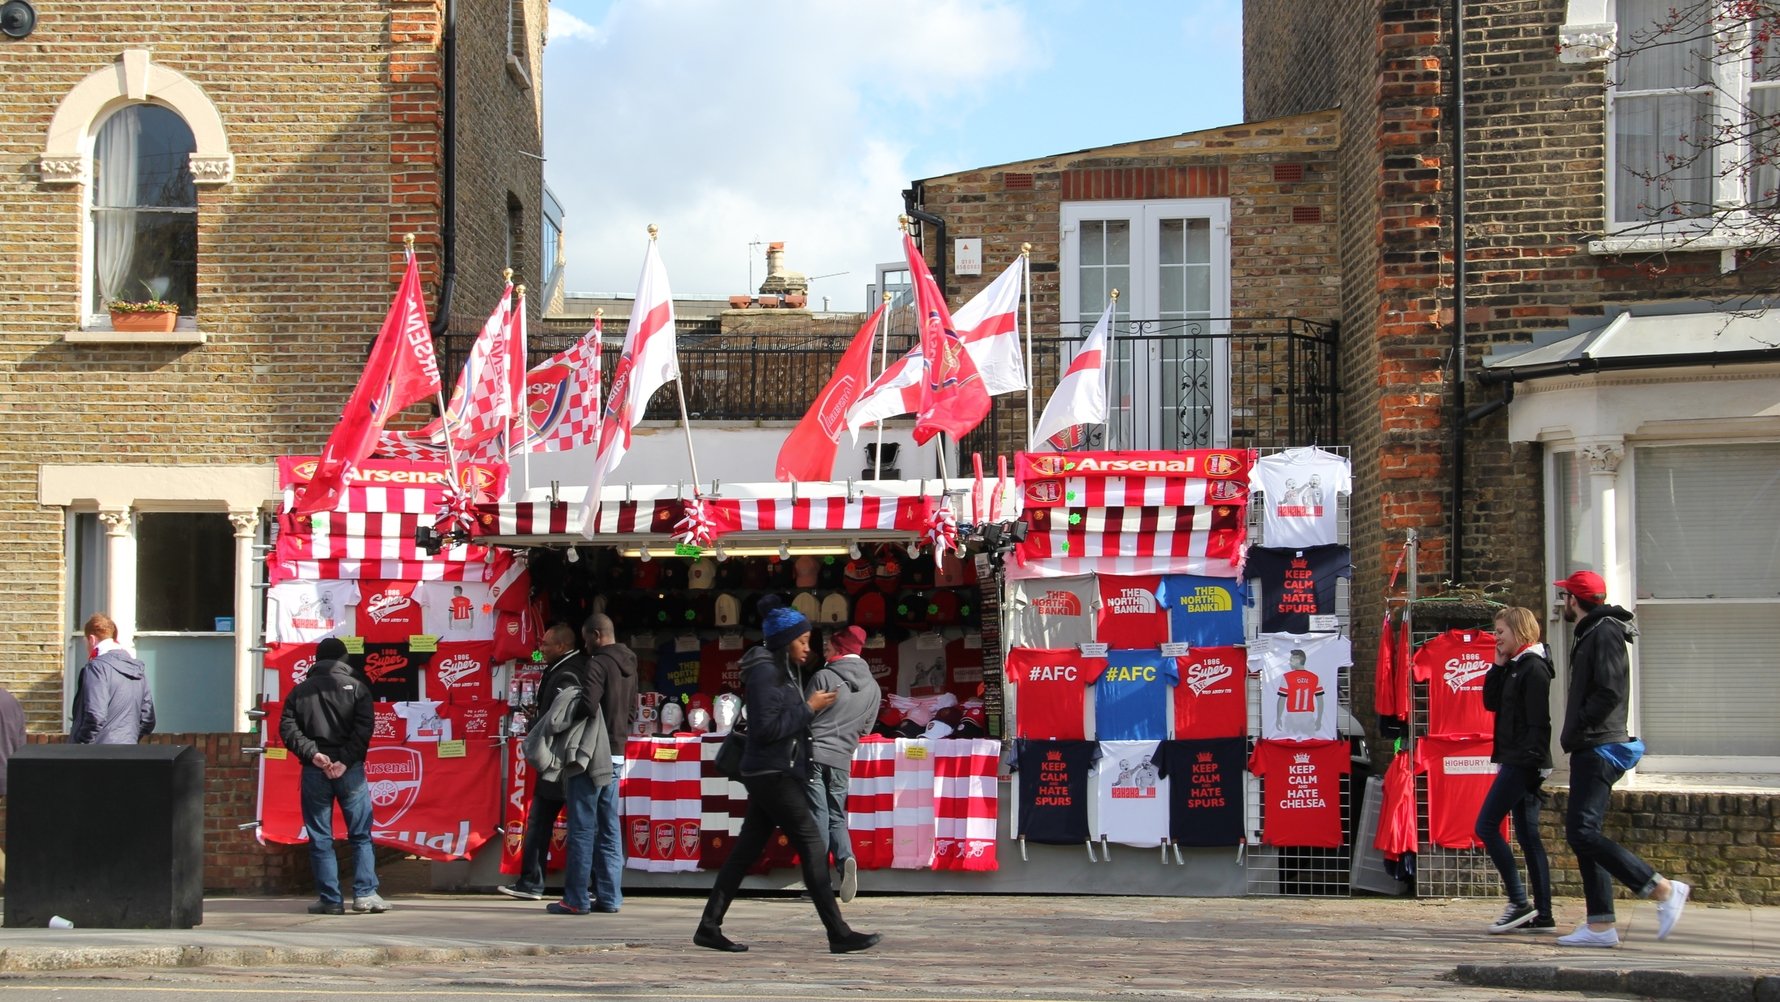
1301, 791
1051, 685
1459, 776
387, 611
1210, 701
720, 670
1129, 617
1300, 687
1454, 664
460, 671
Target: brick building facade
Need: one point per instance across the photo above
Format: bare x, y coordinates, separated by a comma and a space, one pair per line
305, 140
1615, 350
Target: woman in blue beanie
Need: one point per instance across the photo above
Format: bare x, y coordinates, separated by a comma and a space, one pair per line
775, 770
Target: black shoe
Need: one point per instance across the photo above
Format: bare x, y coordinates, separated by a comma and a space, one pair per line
713, 940
323, 908
563, 908
1513, 917
1541, 922
853, 942
522, 893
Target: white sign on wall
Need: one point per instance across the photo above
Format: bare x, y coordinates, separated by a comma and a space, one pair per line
967, 256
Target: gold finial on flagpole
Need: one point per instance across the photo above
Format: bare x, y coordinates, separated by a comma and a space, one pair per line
653, 230
1026, 250
886, 297
903, 222
408, 240
507, 275
520, 289
1115, 295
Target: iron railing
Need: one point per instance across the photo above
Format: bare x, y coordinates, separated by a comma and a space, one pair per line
1177, 384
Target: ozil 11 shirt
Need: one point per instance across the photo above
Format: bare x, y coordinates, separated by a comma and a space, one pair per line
1131, 698
1454, 664
1050, 689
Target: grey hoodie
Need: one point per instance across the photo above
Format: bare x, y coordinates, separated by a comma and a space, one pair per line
837, 730
112, 705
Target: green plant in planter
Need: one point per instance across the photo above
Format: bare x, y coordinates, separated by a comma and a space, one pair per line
142, 306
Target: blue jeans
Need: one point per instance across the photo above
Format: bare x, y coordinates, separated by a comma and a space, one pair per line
608, 846
1599, 859
577, 866
318, 794
1515, 793
828, 805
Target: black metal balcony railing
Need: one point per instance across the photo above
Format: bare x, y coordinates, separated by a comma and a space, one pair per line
1176, 384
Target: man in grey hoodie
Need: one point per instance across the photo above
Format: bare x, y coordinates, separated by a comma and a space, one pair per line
112, 704
612, 688
836, 732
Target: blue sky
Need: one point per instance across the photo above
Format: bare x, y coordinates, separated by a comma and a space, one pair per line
726, 122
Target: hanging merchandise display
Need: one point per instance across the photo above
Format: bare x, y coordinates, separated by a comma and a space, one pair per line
457, 610
1397, 836
1050, 689
1298, 489
1301, 790
1053, 781
1454, 665
1204, 611
1210, 700
965, 804
1297, 586
1128, 614
1204, 779
1052, 612
1300, 683
1459, 774
388, 610
1130, 794
1131, 697
303, 612
1390, 692
871, 811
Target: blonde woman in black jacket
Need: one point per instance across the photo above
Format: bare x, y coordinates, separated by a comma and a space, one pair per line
1518, 690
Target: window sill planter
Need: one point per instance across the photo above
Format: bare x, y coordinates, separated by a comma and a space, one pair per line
143, 322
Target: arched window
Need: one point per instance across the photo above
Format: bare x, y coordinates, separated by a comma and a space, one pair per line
145, 209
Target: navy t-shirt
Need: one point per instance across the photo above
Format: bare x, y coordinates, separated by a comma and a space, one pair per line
1054, 789
1204, 789
1297, 584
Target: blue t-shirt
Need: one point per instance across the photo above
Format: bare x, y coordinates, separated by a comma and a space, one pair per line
1131, 698
1202, 611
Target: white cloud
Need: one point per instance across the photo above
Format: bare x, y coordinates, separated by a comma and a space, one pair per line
792, 120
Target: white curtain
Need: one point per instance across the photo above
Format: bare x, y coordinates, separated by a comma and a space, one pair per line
114, 188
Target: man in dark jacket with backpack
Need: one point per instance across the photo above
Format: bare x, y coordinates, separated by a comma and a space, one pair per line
1594, 730
327, 726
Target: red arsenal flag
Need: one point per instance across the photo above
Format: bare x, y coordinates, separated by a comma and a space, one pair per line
953, 397
808, 452
400, 371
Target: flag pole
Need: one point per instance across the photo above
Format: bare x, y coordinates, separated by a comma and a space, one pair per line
444, 412
1026, 286
680, 395
883, 335
516, 420
1110, 358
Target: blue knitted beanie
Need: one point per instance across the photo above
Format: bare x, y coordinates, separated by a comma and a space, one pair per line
780, 624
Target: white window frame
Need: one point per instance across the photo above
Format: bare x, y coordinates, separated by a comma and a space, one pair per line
1730, 226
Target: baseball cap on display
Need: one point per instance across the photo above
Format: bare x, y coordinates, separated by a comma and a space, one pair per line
834, 608
702, 574
975, 722
937, 729
1585, 585
805, 570
727, 610
857, 575
808, 605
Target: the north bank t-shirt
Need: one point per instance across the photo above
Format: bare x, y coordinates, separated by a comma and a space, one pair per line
1052, 612
1053, 783
1203, 611
1131, 697
1128, 614
1204, 790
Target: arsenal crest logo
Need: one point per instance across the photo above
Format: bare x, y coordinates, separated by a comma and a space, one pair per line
664, 840
639, 836
1044, 491
1047, 466
688, 838
393, 775
1221, 464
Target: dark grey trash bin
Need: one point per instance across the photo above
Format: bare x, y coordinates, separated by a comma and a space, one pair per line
106, 836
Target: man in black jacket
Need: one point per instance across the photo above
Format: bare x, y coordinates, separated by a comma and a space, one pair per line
1594, 721
565, 666
327, 725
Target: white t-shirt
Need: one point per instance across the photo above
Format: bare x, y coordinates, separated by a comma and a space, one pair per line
1298, 488
457, 610
299, 612
1130, 799
1300, 694
921, 664
423, 721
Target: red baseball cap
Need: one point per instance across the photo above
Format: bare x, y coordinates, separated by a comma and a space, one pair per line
1585, 585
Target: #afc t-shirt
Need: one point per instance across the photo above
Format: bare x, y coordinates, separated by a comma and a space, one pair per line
1131, 697
1454, 664
1050, 686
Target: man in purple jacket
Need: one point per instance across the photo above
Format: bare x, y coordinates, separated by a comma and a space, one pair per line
112, 704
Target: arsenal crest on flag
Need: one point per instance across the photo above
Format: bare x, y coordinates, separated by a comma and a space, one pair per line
808, 452
954, 399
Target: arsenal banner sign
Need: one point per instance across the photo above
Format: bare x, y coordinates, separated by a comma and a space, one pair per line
436, 794
1132, 479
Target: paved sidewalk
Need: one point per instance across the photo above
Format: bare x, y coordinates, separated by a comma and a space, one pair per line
1370, 947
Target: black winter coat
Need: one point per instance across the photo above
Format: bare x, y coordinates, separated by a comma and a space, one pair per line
1519, 693
328, 712
1600, 680
778, 717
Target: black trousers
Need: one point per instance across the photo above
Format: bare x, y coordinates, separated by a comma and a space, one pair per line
778, 800
540, 825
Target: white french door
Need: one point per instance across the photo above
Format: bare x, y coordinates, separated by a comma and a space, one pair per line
1169, 357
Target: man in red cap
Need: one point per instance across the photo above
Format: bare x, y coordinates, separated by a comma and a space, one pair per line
836, 732
1595, 736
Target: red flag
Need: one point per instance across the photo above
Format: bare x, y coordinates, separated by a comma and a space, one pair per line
808, 452
400, 371
954, 399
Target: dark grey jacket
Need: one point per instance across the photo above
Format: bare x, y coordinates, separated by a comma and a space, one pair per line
328, 712
836, 731
611, 688
1600, 680
778, 717
112, 705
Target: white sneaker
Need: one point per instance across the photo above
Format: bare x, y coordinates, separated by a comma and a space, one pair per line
1668, 912
373, 905
849, 885
1584, 936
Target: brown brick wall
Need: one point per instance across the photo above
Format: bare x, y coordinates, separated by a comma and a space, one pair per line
234, 860
1727, 845
332, 111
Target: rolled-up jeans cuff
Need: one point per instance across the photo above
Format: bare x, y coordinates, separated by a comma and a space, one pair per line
1649, 887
